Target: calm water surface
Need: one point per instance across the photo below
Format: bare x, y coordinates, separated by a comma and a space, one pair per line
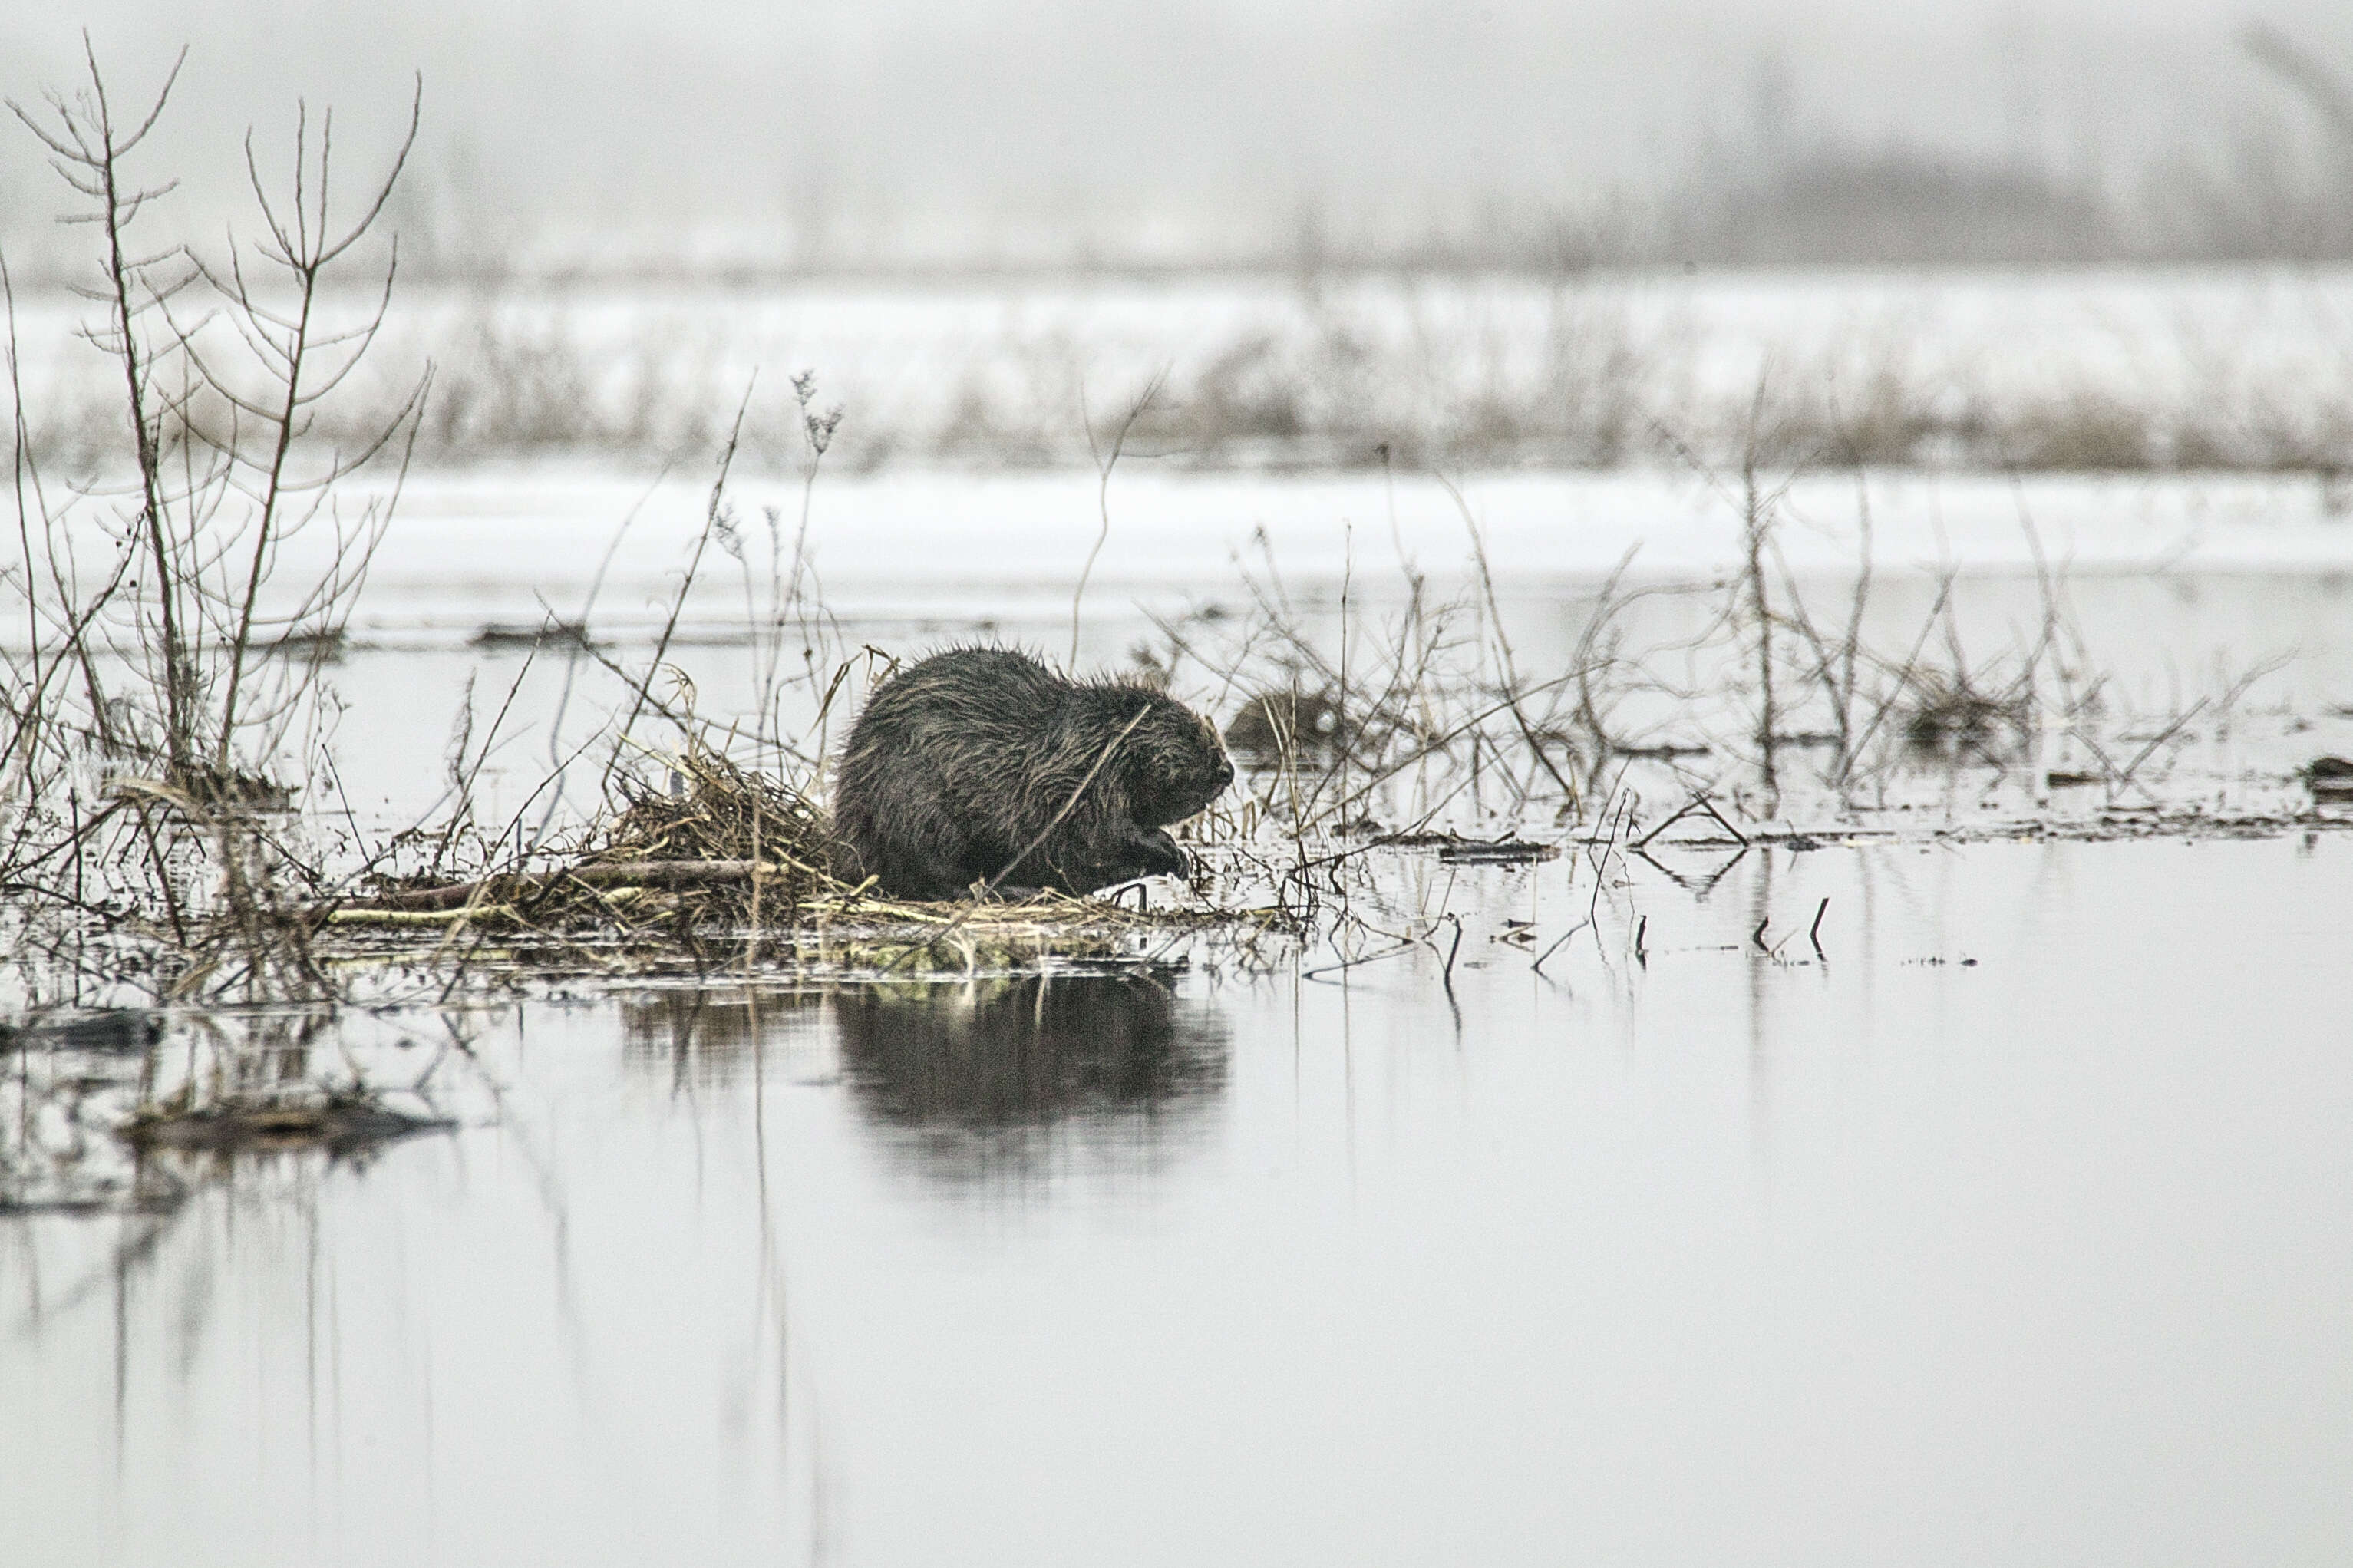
2012, 1229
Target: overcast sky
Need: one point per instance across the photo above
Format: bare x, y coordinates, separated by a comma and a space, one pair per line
666, 114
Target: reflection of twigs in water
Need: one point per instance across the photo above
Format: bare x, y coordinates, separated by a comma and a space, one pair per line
551, 1195
137, 1248
772, 1275
1346, 964
1693, 884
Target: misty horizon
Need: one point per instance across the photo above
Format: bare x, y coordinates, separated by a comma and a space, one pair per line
613, 138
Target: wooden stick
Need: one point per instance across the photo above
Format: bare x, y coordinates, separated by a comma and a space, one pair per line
656, 872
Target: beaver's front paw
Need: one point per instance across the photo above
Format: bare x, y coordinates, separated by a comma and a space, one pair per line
1161, 857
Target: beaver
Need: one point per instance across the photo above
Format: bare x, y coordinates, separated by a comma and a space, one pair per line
972, 757
1293, 726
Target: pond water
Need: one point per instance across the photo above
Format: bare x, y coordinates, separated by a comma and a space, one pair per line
2007, 1225
1891, 1200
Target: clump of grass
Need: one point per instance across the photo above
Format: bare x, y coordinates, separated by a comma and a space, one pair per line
1944, 718
715, 811
704, 844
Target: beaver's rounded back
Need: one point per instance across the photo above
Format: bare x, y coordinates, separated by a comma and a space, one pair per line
967, 759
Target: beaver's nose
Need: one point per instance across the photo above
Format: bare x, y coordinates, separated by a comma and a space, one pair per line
1224, 772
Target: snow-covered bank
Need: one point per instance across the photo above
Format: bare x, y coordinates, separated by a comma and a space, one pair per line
494, 542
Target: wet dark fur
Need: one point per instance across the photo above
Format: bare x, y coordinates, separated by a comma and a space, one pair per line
958, 762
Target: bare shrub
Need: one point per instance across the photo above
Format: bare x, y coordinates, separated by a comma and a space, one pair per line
149, 722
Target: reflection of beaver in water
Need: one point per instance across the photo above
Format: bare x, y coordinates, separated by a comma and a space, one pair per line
1026, 1051
960, 762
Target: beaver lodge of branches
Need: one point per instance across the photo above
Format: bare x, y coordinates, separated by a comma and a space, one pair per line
727, 865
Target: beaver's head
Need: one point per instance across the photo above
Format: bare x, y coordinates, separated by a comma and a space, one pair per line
1176, 764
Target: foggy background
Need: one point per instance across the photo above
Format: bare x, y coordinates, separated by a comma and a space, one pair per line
619, 136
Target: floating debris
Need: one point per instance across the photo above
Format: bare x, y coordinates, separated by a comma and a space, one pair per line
324, 646
552, 633
1496, 851
111, 1031
2330, 779
340, 1121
